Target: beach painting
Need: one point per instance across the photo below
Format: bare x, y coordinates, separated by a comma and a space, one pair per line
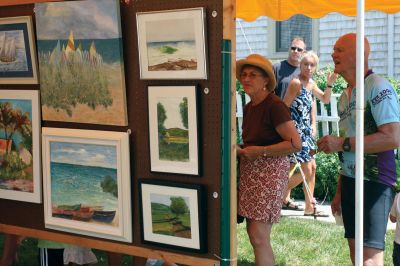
172, 44
81, 62
17, 51
173, 129
87, 182
20, 175
171, 214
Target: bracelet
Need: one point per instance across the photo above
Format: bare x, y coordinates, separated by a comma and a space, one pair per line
329, 86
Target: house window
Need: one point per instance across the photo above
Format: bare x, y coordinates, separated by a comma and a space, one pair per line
298, 25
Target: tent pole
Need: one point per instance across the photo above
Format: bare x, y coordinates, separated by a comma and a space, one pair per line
359, 135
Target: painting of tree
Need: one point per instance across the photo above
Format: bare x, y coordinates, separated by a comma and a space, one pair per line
19, 145
173, 129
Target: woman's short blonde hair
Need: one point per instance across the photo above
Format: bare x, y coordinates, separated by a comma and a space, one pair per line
311, 54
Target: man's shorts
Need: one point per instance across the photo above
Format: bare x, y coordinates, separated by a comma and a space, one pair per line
378, 199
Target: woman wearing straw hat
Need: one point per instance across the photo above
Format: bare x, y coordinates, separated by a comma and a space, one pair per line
269, 135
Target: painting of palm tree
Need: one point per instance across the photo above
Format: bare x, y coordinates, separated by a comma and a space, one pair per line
19, 140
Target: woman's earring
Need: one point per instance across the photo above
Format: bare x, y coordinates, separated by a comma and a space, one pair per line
264, 88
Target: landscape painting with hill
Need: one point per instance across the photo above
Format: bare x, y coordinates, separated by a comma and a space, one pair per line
172, 214
173, 129
81, 62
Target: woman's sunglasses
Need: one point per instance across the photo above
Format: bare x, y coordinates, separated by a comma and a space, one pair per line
297, 49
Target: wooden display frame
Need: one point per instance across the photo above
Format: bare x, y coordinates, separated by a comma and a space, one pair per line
219, 21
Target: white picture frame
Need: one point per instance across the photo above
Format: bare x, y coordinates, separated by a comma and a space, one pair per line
86, 175
172, 44
24, 141
173, 143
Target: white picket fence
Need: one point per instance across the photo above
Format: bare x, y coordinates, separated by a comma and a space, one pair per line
328, 122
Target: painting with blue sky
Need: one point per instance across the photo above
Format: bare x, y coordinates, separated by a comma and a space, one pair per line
19, 145
86, 180
87, 36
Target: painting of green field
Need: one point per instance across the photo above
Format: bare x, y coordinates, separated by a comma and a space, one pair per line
173, 128
170, 215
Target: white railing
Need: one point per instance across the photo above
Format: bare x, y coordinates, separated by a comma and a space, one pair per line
328, 122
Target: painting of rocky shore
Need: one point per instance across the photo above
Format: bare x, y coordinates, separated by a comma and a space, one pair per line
172, 44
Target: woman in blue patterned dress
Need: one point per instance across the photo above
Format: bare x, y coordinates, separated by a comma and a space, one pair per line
299, 99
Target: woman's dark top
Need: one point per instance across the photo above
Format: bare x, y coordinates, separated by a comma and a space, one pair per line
260, 121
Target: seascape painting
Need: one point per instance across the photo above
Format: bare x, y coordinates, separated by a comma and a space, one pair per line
81, 62
173, 129
172, 44
169, 50
19, 146
17, 53
84, 182
172, 214
87, 182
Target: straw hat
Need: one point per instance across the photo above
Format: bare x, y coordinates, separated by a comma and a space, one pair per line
258, 61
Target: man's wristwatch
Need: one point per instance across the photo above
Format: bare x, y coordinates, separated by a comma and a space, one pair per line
346, 144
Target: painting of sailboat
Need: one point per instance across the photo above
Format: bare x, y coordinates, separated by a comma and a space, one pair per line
81, 64
172, 44
17, 51
86, 182
20, 173
8, 49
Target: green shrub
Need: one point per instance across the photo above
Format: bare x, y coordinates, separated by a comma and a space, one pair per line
326, 178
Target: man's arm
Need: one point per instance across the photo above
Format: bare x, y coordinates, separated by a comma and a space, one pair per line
386, 138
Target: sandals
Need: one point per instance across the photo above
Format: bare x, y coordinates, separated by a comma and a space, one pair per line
317, 214
291, 205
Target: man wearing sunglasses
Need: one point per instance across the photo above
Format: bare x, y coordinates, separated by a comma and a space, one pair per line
288, 69
285, 71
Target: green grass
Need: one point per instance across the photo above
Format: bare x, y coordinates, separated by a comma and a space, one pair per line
296, 242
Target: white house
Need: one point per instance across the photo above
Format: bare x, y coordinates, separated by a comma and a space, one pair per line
271, 38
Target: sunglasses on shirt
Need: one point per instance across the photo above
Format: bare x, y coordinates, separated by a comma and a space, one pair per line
297, 49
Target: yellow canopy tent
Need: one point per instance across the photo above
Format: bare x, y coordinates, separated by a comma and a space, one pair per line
249, 10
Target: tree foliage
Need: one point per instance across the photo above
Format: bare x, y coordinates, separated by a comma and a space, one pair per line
110, 185
13, 167
14, 120
183, 108
161, 117
178, 206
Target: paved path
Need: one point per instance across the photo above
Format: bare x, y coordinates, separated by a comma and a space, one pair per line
325, 208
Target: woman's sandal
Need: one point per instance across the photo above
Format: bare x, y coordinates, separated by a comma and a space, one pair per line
317, 214
291, 205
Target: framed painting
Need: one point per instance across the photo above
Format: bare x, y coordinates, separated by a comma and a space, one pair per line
172, 44
20, 171
81, 62
173, 129
86, 180
17, 51
173, 215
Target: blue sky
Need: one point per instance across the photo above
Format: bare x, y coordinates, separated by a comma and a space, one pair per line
83, 154
90, 19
